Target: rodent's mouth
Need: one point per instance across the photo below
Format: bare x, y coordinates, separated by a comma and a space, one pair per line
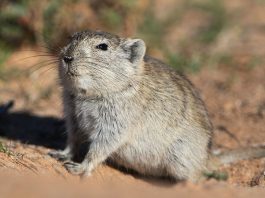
71, 74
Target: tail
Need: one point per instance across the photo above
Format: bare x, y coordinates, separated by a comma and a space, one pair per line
235, 155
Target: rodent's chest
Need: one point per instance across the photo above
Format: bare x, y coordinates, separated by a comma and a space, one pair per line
85, 113
94, 114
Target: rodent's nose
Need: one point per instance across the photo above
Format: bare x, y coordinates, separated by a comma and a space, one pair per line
68, 59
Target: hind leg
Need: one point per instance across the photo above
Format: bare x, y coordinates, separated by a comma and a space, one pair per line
180, 172
186, 160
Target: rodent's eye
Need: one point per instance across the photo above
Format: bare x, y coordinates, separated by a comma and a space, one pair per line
102, 46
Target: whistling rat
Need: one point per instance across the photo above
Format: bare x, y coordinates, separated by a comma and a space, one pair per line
130, 108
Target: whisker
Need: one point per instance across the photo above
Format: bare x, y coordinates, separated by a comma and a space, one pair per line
96, 68
94, 59
35, 50
35, 56
113, 79
35, 67
41, 65
51, 49
42, 62
46, 44
103, 66
48, 69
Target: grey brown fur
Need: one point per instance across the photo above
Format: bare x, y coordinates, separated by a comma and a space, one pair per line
122, 105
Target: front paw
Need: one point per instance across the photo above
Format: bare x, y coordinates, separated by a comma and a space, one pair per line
77, 168
60, 155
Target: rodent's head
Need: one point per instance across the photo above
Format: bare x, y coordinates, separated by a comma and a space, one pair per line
98, 63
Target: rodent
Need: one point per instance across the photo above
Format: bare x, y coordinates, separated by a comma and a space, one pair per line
132, 109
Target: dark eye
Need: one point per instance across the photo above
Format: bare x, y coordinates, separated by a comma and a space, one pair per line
102, 46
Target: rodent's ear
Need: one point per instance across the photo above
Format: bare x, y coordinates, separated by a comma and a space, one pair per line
136, 49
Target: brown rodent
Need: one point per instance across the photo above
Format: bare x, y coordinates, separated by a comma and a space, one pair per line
132, 109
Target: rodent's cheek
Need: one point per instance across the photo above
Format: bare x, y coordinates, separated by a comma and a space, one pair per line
84, 82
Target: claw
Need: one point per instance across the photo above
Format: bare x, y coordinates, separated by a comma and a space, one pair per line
81, 169
75, 168
59, 155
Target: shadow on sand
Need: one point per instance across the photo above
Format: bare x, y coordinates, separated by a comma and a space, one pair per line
32, 129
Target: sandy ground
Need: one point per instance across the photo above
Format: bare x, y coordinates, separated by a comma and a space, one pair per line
235, 97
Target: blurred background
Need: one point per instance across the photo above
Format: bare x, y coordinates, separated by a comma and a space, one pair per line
219, 44
187, 34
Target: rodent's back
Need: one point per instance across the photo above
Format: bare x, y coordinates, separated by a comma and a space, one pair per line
178, 88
